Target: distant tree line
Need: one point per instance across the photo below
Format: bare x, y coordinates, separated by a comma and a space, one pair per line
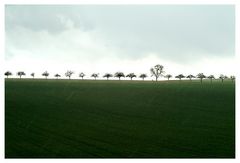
156, 72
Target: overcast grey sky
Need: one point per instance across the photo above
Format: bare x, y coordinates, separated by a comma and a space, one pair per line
119, 37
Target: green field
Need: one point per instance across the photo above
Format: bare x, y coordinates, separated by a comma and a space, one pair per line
114, 119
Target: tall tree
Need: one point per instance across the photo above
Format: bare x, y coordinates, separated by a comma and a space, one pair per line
157, 71
46, 74
211, 77
201, 76
94, 75
8, 73
168, 76
119, 75
33, 74
57, 76
190, 77
131, 75
69, 74
222, 77
81, 75
232, 78
180, 76
143, 76
107, 75
20, 74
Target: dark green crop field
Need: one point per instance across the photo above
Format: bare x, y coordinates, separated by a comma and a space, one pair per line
115, 119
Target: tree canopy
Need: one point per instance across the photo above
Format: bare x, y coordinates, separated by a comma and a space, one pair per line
69, 74
119, 75
8, 73
20, 74
157, 71
168, 76
143, 76
107, 75
46, 74
131, 75
180, 76
95, 75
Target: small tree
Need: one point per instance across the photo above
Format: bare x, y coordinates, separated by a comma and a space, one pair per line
119, 75
81, 75
190, 77
222, 77
157, 71
46, 74
232, 78
107, 75
201, 76
143, 76
180, 76
94, 75
69, 74
211, 77
131, 75
20, 74
8, 73
168, 76
33, 74
57, 76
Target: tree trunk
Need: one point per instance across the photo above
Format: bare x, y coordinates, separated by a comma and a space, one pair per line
156, 78
211, 81
119, 78
201, 80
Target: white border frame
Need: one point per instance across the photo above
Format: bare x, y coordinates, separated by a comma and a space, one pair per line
180, 2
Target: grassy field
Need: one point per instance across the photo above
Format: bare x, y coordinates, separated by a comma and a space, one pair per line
113, 119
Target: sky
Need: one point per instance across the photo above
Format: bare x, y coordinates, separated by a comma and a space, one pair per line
187, 39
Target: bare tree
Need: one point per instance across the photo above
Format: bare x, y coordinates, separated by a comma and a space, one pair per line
46, 74
81, 75
57, 76
107, 75
168, 76
131, 75
69, 74
33, 74
211, 77
8, 73
20, 74
180, 76
94, 75
222, 77
201, 76
143, 76
190, 77
119, 75
232, 78
157, 71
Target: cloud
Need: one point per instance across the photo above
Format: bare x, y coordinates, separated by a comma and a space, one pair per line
118, 34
